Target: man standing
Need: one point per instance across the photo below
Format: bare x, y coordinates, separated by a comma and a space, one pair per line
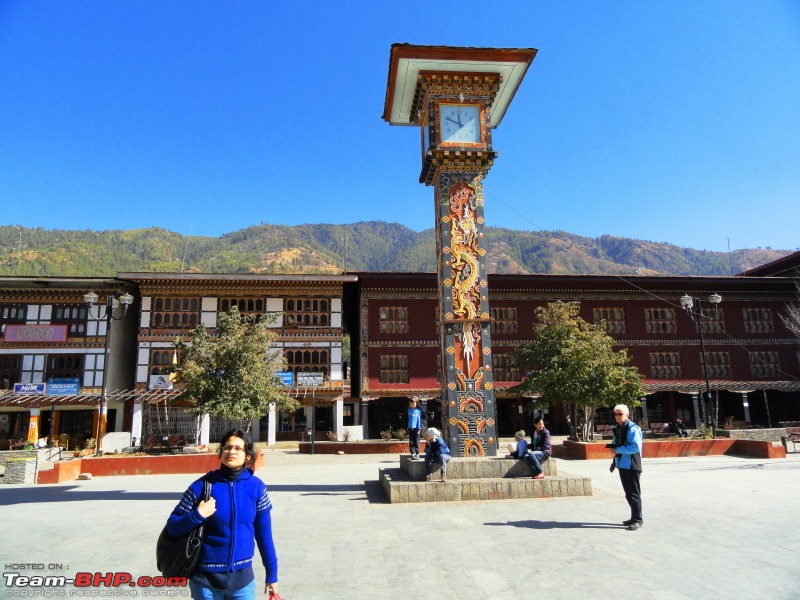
627, 446
414, 427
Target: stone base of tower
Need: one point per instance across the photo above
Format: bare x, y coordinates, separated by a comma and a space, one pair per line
479, 479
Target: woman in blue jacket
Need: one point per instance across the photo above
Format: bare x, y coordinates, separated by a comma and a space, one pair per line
237, 517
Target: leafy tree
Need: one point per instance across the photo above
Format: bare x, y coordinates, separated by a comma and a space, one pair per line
573, 363
233, 376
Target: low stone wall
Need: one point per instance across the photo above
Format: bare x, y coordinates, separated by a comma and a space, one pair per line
360, 447
20, 470
764, 435
107, 466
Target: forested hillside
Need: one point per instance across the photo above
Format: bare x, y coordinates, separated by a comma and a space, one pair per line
370, 246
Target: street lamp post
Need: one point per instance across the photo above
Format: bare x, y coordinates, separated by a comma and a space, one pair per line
111, 303
687, 303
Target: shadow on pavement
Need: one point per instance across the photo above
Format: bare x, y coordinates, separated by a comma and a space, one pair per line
531, 524
44, 494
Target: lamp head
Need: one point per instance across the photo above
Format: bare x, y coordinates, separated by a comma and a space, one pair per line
715, 298
687, 302
90, 298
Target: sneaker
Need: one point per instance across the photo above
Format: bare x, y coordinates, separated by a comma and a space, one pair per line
635, 525
429, 477
444, 477
539, 476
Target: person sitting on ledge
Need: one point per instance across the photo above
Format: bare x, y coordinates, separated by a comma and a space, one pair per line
520, 449
435, 450
680, 428
540, 448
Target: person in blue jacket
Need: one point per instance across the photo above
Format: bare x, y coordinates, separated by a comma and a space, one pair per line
520, 448
436, 450
414, 426
627, 446
237, 517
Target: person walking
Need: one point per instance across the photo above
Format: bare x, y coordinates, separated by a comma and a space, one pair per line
540, 448
627, 446
415, 415
237, 516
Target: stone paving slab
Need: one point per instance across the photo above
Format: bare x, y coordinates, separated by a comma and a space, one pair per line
715, 528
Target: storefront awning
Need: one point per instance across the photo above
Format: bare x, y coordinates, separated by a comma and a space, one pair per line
694, 386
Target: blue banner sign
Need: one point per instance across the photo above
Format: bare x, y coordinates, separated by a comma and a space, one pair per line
63, 386
29, 388
286, 377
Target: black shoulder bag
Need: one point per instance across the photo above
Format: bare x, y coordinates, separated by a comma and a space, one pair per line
177, 556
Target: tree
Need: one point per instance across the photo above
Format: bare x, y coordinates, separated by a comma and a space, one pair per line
792, 317
573, 363
234, 375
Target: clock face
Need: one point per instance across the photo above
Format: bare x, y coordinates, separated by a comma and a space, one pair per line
460, 123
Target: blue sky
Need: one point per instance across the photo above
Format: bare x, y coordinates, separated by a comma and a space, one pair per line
672, 121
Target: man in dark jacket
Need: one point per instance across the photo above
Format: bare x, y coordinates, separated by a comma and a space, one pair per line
627, 446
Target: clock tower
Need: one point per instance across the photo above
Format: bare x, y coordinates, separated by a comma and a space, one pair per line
456, 96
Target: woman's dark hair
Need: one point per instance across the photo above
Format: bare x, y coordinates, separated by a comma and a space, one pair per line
537, 419
249, 449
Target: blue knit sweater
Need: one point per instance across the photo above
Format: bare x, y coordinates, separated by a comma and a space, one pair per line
241, 520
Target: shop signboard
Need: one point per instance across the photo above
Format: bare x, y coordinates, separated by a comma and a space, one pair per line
35, 334
286, 377
160, 382
63, 386
312, 379
30, 388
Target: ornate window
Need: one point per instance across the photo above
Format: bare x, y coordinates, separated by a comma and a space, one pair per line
65, 365
504, 319
306, 312
665, 365
308, 360
393, 319
12, 314
175, 313
712, 321
719, 364
758, 320
393, 368
162, 361
10, 370
503, 369
71, 315
764, 365
614, 319
246, 306
660, 320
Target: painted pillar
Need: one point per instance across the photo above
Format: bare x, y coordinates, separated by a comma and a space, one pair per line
338, 418
205, 429
33, 425
696, 407
136, 424
746, 406
468, 408
271, 424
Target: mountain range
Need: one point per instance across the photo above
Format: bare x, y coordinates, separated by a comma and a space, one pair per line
375, 246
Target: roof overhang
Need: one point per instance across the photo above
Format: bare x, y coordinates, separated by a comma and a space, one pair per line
407, 61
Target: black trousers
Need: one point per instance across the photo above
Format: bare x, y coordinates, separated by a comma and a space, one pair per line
633, 491
413, 441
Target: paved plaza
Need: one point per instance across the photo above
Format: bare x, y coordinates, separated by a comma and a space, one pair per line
715, 527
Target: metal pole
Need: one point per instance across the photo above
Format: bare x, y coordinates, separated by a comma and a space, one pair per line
313, 417
100, 428
709, 414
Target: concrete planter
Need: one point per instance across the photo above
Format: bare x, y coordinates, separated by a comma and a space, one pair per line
676, 448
